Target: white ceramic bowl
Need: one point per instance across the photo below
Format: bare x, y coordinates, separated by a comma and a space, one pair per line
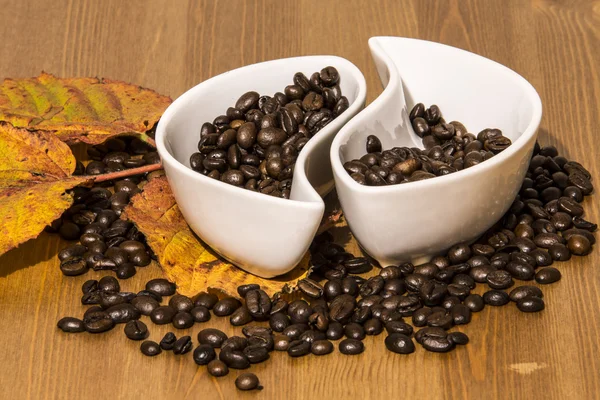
412, 222
264, 235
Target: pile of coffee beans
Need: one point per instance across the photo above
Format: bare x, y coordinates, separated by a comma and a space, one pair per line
448, 148
344, 300
255, 144
106, 242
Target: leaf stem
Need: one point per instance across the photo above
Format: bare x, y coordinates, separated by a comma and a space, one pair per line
124, 174
329, 221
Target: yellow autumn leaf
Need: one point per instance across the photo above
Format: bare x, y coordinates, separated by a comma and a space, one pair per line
35, 172
89, 110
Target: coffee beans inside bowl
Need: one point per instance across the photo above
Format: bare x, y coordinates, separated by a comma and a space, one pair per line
449, 147
255, 144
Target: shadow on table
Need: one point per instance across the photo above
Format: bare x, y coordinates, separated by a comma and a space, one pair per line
29, 254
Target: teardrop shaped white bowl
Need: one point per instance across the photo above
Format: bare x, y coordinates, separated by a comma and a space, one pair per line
415, 221
264, 235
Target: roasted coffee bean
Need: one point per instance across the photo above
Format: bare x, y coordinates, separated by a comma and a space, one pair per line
217, 368
499, 279
161, 286
226, 306
531, 304
256, 354
461, 314
168, 341
279, 321
578, 245
212, 337
247, 381
310, 288
145, 304
182, 345
298, 348
162, 315
351, 347
234, 359
299, 312
109, 299
294, 331
419, 317
182, 320
373, 326
547, 275
523, 292
150, 348
450, 301
559, 252
354, 331
89, 286
341, 308
399, 343
440, 319
74, 266
71, 325
496, 298
122, 313
240, 317
136, 330
181, 303
97, 322
458, 338
399, 327
108, 284
204, 354
75, 250
207, 300
281, 343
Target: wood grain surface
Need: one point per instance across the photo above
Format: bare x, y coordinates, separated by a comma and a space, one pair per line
170, 45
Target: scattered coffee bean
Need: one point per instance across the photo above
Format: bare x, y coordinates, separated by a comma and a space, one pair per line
136, 330
150, 348
351, 346
71, 325
247, 381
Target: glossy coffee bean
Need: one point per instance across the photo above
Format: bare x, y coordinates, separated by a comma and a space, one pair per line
496, 298
547, 275
458, 338
351, 347
399, 343
98, 322
161, 286
150, 348
212, 337
247, 381
207, 300
204, 354
522, 292
226, 306
71, 325
531, 304
217, 368
162, 315
136, 330
182, 345
145, 304
182, 320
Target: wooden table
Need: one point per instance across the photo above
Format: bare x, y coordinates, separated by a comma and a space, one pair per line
170, 45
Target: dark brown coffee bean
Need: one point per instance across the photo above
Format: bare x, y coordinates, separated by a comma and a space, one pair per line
136, 330
299, 348
496, 298
547, 275
161, 286
351, 347
226, 306
71, 325
531, 304
150, 348
399, 343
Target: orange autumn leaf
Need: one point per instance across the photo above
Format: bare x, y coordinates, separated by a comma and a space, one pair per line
184, 258
35, 172
88, 110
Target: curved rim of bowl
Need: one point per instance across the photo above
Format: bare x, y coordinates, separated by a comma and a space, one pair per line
395, 79
174, 107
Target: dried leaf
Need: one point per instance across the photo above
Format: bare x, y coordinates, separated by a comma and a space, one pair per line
187, 260
35, 172
86, 110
